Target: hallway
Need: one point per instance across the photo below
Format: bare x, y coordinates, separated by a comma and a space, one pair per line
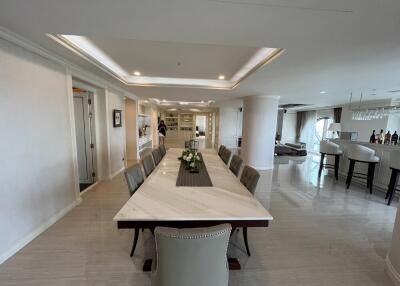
320, 236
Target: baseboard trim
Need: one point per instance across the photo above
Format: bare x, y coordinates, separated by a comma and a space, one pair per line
27, 239
391, 271
117, 173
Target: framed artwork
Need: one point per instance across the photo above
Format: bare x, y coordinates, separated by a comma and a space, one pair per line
117, 118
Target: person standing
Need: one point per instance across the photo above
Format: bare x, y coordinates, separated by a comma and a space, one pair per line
162, 131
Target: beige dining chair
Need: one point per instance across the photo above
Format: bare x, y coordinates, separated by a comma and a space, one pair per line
194, 256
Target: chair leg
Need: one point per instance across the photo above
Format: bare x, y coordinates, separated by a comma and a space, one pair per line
371, 177
396, 182
246, 243
391, 184
135, 239
350, 173
337, 160
321, 164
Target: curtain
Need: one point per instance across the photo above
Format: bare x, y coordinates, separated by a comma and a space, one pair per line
337, 114
307, 134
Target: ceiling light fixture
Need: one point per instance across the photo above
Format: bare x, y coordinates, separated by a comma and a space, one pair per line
322, 92
221, 76
137, 73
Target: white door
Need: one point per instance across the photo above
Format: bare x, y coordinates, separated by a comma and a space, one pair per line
84, 136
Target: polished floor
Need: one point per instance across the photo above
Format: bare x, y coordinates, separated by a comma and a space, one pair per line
321, 235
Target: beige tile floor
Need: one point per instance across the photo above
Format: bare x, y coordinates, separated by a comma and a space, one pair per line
322, 235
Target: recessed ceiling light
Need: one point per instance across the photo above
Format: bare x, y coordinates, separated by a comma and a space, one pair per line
221, 76
137, 73
146, 101
183, 103
202, 101
322, 92
164, 100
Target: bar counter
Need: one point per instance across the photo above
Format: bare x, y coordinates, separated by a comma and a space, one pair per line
382, 170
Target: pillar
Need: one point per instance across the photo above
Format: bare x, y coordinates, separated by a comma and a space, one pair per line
259, 128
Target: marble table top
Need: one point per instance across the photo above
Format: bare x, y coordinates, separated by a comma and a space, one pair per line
159, 199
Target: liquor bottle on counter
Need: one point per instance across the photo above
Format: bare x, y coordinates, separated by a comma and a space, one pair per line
372, 139
388, 137
395, 138
381, 137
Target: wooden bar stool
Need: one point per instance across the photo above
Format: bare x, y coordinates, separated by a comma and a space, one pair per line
361, 154
331, 149
394, 178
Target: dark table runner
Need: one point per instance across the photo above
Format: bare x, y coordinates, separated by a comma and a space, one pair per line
200, 179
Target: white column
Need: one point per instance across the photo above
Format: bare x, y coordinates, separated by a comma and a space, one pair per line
393, 258
259, 128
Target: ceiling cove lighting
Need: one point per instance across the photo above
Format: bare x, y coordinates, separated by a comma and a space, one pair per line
86, 49
184, 103
322, 92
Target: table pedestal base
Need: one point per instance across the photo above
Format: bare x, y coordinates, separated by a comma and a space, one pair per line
234, 264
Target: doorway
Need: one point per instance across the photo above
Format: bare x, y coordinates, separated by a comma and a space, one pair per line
321, 131
85, 136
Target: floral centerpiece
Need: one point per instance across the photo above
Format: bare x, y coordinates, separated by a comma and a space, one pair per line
191, 158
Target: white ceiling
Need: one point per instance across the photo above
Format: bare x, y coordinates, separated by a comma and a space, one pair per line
337, 46
178, 60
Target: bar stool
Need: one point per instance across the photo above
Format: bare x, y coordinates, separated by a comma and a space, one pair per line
332, 149
394, 179
362, 154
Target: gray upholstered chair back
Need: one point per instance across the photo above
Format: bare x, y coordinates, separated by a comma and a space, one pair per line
163, 151
156, 156
221, 150
226, 155
148, 164
250, 178
195, 256
134, 177
236, 164
187, 144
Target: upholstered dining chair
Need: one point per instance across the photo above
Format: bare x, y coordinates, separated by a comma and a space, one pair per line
134, 178
236, 164
148, 164
194, 256
221, 150
162, 149
226, 155
156, 156
249, 179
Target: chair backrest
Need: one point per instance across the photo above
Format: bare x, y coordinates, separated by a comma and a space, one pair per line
250, 178
163, 151
359, 152
236, 164
329, 147
226, 155
221, 150
195, 256
148, 164
156, 156
134, 177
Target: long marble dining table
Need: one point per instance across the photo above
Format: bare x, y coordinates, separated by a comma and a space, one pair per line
159, 202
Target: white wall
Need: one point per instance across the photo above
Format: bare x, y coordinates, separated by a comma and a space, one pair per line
37, 180
230, 122
38, 166
289, 127
117, 141
364, 128
393, 123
